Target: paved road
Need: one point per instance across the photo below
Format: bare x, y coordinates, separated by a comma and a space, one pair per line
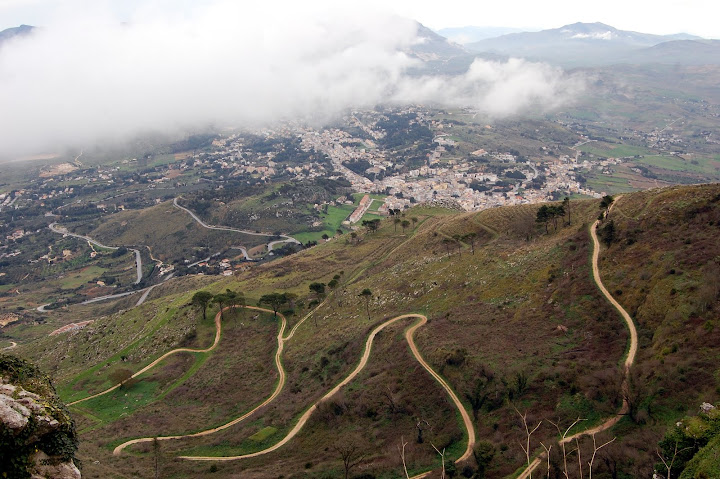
108, 297
287, 239
138, 264
138, 259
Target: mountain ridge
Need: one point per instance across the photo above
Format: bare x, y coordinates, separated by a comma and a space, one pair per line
595, 44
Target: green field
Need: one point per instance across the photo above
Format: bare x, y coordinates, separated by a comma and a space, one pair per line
675, 163
612, 151
78, 278
337, 214
609, 184
263, 434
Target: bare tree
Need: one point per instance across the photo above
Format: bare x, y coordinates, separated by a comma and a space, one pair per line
447, 242
563, 441
458, 242
595, 450
547, 453
577, 444
392, 406
442, 460
156, 454
402, 456
471, 237
528, 434
672, 459
350, 455
420, 429
367, 294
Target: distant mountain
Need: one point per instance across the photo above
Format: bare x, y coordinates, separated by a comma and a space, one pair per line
586, 44
15, 32
685, 52
463, 35
432, 47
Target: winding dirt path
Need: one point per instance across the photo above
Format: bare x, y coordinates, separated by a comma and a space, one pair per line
278, 388
629, 359
280, 385
13, 345
409, 336
218, 331
363, 362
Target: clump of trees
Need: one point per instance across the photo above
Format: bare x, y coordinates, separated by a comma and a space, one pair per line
550, 213
275, 300
689, 448
201, 299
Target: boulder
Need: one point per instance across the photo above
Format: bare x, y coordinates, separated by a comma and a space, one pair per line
37, 434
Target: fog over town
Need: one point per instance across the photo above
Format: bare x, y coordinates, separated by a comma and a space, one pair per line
87, 79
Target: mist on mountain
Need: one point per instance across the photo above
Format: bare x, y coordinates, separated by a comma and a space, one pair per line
84, 80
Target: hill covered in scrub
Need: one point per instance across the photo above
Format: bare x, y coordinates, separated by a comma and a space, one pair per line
517, 328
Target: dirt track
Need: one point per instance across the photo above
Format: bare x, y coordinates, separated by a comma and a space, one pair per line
218, 331
409, 336
278, 388
363, 362
629, 360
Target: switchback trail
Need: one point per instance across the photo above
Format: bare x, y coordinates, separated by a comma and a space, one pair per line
629, 359
409, 336
278, 364
363, 362
278, 388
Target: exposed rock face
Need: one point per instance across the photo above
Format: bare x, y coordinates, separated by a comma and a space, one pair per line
37, 435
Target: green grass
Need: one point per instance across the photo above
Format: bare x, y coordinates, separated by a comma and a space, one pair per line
612, 151
76, 279
263, 434
675, 163
609, 184
336, 215
69, 393
121, 401
333, 221
264, 438
502, 292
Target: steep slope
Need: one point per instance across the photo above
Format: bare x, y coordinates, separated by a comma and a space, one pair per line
512, 324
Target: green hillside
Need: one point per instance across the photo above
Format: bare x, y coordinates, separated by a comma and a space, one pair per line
516, 325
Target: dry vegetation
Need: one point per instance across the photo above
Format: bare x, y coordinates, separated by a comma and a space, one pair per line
519, 323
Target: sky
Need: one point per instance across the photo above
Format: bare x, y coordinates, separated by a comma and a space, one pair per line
106, 71
698, 17
173, 67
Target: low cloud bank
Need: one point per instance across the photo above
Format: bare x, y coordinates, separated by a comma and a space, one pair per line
87, 80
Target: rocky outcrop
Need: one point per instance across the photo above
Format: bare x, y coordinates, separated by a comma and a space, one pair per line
37, 435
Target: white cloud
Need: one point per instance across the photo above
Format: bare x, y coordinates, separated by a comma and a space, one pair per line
86, 79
